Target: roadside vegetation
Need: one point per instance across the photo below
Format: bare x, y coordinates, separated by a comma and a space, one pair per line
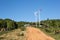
8, 24
51, 27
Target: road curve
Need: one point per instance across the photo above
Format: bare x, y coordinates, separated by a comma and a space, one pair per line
36, 34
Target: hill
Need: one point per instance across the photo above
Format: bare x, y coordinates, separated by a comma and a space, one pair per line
49, 26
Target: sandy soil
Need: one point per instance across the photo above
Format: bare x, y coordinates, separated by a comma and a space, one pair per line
14, 35
36, 34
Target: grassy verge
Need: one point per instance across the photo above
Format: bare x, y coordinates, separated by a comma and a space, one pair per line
4, 32
52, 34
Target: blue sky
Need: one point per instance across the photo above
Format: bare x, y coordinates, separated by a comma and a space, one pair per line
23, 10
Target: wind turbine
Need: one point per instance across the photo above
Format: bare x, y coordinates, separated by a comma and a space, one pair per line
37, 17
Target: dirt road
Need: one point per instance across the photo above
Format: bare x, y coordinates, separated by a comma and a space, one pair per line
36, 34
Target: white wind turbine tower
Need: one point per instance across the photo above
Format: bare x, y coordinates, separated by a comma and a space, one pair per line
37, 17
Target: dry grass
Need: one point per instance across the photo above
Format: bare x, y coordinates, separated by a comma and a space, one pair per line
14, 35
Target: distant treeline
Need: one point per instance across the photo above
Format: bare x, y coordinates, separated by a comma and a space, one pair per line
51, 25
8, 24
51, 22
